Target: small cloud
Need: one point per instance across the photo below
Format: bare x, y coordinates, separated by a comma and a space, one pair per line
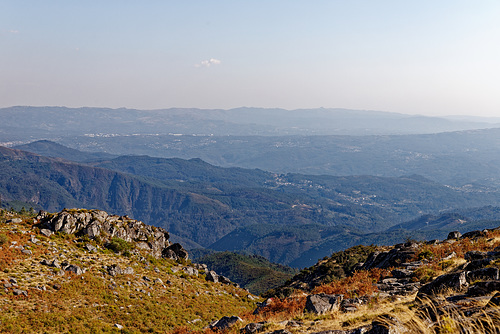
208, 63
13, 31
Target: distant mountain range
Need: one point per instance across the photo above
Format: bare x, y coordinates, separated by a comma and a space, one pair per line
288, 218
24, 123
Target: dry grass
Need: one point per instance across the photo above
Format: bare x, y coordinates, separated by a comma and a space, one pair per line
360, 283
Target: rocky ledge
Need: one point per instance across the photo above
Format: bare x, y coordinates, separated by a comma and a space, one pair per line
96, 224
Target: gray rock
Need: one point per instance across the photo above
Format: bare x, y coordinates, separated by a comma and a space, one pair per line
19, 292
46, 232
478, 264
91, 248
484, 274
212, 276
94, 223
74, 269
262, 306
175, 252
55, 263
27, 252
225, 323
128, 271
114, 270
190, 271
457, 282
454, 235
402, 273
224, 280
483, 288
14, 221
45, 262
475, 255
473, 234
118, 326
254, 327
323, 303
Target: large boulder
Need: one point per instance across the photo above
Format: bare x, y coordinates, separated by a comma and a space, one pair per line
225, 323
456, 281
175, 252
322, 303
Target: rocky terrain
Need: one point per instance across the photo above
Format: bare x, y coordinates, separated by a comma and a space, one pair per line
88, 271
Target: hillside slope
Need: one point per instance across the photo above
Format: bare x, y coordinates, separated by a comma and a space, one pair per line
85, 279
76, 283
212, 206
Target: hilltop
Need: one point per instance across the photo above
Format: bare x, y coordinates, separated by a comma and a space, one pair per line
88, 271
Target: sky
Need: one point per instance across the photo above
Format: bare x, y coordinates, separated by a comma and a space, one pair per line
422, 57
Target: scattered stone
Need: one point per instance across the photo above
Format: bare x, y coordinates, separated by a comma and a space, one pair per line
19, 292
27, 252
34, 240
91, 248
211, 276
128, 271
74, 269
175, 252
56, 286
14, 221
190, 271
253, 327
118, 326
114, 270
46, 232
225, 323
263, 305
454, 235
323, 303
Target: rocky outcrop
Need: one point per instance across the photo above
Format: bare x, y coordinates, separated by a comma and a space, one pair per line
99, 224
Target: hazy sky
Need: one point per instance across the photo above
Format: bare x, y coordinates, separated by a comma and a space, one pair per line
432, 57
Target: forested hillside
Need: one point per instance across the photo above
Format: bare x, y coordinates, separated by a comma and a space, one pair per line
287, 218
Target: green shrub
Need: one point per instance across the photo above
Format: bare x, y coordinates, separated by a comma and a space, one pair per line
3, 239
426, 254
118, 245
